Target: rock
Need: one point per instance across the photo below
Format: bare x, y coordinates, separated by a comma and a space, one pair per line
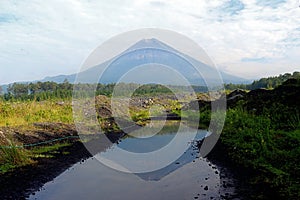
60, 103
104, 111
2, 134
236, 93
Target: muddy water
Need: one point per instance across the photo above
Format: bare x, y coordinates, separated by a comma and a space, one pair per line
189, 177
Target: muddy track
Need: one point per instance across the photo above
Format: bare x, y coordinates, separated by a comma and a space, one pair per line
22, 182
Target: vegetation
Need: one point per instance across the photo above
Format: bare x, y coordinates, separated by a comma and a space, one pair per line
269, 83
21, 115
41, 91
49, 151
27, 112
12, 157
262, 133
38, 91
251, 142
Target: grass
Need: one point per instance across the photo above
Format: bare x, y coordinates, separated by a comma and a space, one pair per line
268, 143
26, 113
23, 114
273, 154
13, 157
49, 151
294, 121
139, 116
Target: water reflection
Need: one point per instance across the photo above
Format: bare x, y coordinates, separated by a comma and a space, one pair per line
188, 177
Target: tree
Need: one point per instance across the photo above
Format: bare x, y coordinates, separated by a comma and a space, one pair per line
18, 89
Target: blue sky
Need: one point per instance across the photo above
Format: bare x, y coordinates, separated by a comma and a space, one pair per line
248, 38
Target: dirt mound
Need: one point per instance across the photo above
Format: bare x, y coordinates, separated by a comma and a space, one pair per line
37, 133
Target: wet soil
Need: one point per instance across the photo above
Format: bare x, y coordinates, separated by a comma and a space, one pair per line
23, 181
236, 180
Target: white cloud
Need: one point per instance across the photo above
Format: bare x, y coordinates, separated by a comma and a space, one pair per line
41, 38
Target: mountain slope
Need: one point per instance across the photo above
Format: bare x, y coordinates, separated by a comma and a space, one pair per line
154, 54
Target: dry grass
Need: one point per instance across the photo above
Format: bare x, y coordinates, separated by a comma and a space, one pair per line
25, 113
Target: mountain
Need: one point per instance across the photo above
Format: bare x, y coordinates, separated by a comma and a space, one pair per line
59, 78
154, 54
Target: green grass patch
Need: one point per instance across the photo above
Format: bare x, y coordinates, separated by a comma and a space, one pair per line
274, 154
28, 112
12, 157
52, 149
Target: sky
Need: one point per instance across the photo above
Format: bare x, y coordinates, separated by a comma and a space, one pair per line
247, 38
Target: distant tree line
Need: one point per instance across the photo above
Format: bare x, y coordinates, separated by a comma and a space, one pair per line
269, 83
51, 90
38, 91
